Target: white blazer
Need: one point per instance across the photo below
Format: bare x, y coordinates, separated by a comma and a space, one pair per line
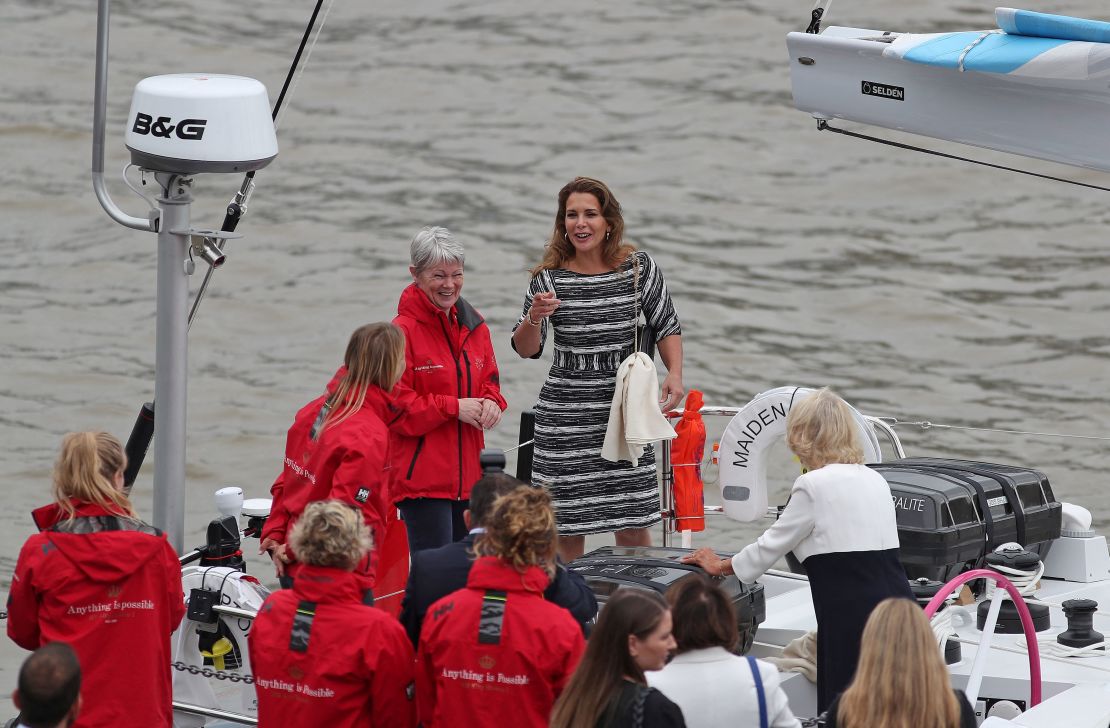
833, 509
714, 688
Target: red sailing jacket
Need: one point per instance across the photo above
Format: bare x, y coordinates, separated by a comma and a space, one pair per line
344, 664
495, 653
349, 462
110, 586
447, 358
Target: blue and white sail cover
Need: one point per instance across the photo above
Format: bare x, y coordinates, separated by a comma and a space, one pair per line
1027, 46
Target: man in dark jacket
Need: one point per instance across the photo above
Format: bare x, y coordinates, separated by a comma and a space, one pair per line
49, 688
435, 573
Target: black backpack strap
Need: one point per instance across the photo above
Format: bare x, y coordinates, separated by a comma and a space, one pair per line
493, 614
302, 626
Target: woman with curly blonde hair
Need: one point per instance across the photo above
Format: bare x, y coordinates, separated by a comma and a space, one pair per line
901, 680
319, 655
840, 523
497, 653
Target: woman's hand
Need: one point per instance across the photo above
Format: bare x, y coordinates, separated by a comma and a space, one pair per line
491, 414
672, 392
278, 554
470, 411
543, 305
707, 559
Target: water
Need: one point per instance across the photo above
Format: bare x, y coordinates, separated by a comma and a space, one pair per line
920, 288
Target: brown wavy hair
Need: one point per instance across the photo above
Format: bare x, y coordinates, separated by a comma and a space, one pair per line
901, 680
559, 250
375, 355
86, 469
521, 530
608, 660
820, 430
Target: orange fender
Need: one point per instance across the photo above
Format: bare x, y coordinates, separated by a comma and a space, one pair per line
686, 454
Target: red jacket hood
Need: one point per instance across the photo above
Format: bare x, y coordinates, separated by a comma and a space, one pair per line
325, 584
379, 400
415, 304
92, 557
490, 572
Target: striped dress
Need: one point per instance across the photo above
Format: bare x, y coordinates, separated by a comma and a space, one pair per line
594, 332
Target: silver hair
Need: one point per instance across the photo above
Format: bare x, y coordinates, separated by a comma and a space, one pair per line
435, 246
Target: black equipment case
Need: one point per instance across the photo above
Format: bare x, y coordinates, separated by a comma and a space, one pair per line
610, 568
951, 513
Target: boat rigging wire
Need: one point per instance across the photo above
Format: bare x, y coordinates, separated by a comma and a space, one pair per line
823, 125
238, 205
926, 425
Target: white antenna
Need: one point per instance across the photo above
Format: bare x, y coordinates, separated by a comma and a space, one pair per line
179, 125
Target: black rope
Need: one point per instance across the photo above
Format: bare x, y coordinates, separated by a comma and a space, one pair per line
297, 58
823, 125
234, 209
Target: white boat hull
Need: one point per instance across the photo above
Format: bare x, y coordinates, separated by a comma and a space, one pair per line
1061, 120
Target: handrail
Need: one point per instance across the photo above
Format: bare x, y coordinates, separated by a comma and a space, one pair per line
214, 713
1023, 613
100, 113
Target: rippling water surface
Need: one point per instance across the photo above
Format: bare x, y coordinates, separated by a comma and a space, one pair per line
920, 288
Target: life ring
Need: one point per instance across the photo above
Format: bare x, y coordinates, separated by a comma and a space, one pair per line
746, 440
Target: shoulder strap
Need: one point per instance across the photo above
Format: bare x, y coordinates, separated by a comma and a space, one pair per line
638, 706
493, 614
759, 691
636, 292
302, 626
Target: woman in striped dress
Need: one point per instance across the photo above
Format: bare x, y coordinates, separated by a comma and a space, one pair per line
591, 288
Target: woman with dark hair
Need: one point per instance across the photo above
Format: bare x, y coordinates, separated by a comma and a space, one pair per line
103, 581
840, 523
319, 656
705, 667
496, 653
338, 446
450, 394
609, 690
901, 680
591, 288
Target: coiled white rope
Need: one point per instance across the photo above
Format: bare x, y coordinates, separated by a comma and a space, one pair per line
1025, 580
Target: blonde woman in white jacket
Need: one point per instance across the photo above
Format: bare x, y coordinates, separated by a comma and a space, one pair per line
841, 525
705, 669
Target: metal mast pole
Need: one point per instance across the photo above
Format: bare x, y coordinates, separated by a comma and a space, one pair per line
171, 357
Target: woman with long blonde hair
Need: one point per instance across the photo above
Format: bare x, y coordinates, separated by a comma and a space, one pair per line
338, 446
901, 680
98, 578
497, 653
840, 523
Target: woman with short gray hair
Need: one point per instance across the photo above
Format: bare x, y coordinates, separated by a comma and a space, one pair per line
449, 395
